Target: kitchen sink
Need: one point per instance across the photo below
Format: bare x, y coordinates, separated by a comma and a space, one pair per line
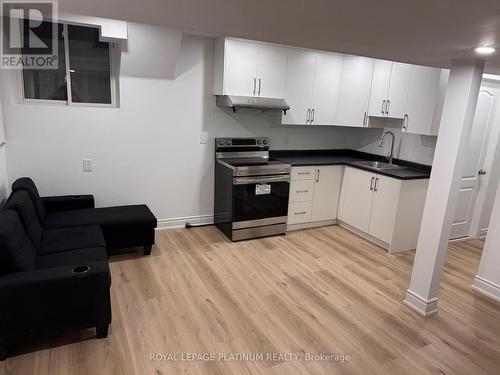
378, 165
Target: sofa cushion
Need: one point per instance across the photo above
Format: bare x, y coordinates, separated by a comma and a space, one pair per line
20, 202
107, 217
16, 250
27, 184
64, 239
72, 257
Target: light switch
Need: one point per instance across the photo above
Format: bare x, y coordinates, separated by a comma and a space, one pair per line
203, 138
87, 165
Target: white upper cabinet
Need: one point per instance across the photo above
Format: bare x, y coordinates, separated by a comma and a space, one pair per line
246, 68
326, 88
389, 90
240, 68
425, 100
380, 88
354, 91
312, 84
271, 71
398, 90
299, 86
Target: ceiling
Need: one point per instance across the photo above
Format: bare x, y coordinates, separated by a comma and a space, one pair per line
427, 32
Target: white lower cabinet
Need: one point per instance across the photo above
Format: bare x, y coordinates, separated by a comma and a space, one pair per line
314, 194
387, 210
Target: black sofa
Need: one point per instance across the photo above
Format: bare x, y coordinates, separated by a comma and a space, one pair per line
54, 270
122, 226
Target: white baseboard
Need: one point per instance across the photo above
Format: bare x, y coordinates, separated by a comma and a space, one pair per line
424, 307
180, 222
486, 288
483, 233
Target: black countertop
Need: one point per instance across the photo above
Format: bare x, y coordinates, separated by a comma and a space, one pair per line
296, 158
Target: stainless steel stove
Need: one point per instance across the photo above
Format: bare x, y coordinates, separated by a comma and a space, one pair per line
251, 190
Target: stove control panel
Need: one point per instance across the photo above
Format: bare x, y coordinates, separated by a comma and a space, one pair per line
257, 142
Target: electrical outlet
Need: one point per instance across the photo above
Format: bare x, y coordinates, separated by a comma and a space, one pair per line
87, 165
203, 138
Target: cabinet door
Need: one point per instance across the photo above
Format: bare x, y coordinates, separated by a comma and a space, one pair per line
354, 91
326, 88
384, 207
326, 192
271, 71
299, 86
380, 88
240, 68
398, 90
422, 98
357, 198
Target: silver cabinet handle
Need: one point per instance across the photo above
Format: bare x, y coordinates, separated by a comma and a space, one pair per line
317, 175
308, 116
260, 84
371, 183
376, 185
312, 115
405, 122
364, 119
300, 213
481, 172
383, 107
254, 85
387, 106
301, 191
302, 173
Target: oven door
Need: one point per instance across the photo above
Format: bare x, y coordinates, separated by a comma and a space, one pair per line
260, 201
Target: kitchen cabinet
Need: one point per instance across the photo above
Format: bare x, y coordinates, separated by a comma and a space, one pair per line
354, 91
246, 68
312, 87
425, 100
299, 86
326, 192
314, 194
385, 210
389, 90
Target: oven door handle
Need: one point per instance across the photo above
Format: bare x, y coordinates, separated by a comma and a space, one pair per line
260, 180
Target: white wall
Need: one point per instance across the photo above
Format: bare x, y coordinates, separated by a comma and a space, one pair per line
148, 151
4, 182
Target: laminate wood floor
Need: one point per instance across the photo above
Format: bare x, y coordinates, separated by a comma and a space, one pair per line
314, 291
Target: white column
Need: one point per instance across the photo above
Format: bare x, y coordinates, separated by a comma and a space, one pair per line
456, 123
487, 280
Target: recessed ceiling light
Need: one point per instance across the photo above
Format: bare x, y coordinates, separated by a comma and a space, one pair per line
484, 50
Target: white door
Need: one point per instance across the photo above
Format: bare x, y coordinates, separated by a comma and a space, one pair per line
380, 88
241, 68
326, 88
398, 90
357, 196
299, 86
422, 97
384, 207
471, 179
354, 91
326, 192
271, 71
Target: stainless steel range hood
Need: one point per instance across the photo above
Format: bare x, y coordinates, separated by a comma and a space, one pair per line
252, 103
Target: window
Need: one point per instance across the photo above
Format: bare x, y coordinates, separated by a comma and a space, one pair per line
84, 74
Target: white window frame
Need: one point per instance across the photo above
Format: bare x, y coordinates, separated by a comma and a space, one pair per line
113, 77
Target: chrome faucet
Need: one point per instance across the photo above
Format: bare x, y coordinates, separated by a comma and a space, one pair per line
381, 143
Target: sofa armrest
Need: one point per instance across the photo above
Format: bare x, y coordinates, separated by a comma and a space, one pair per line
68, 202
55, 296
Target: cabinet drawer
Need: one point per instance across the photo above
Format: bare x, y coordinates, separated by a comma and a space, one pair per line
301, 191
299, 212
303, 173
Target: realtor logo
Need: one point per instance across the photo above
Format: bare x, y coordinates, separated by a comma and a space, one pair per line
29, 37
